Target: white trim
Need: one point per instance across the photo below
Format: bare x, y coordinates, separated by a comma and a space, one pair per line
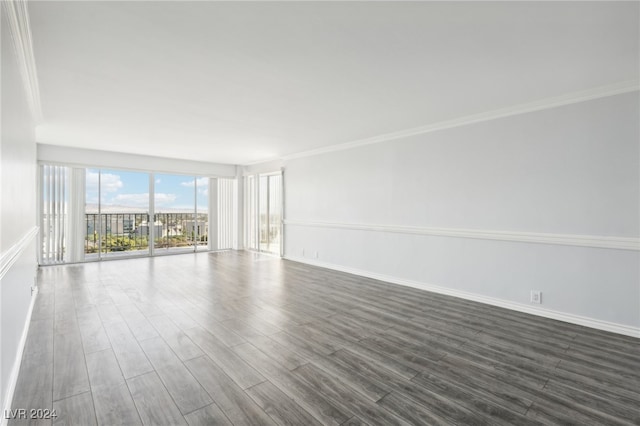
13, 378
99, 159
546, 313
548, 103
11, 255
20, 30
596, 241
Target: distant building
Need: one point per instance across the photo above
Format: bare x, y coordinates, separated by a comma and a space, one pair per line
115, 224
143, 229
201, 228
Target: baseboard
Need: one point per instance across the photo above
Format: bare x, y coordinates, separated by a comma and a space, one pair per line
13, 380
534, 310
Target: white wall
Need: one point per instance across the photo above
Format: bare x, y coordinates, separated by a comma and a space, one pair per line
115, 160
557, 174
17, 212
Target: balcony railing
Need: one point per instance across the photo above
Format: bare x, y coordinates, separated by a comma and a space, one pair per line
120, 232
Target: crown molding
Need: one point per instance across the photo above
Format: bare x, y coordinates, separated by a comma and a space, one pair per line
20, 29
594, 241
548, 103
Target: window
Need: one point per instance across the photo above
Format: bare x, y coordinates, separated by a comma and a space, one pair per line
263, 212
93, 214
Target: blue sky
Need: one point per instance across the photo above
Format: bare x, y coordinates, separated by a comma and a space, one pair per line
131, 189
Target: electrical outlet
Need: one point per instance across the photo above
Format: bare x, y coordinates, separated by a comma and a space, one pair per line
316, 255
302, 252
536, 296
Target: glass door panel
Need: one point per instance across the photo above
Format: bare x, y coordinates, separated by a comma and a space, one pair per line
263, 205
202, 213
174, 204
116, 213
264, 213
275, 216
92, 214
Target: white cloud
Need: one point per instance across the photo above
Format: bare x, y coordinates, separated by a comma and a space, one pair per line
158, 180
202, 182
132, 199
108, 182
142, 200
164, 199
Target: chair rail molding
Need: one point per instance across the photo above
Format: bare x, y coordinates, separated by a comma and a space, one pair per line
12, 254
595, 241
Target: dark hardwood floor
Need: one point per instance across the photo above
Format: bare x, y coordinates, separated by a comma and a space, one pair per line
239, 338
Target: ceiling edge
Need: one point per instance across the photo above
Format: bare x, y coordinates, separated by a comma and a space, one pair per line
542, 104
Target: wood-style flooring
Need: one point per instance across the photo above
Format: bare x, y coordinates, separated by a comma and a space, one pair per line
244, 339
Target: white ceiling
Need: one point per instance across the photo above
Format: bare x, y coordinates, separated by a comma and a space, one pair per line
241, 82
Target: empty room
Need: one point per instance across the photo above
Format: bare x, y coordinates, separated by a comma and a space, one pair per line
320, 213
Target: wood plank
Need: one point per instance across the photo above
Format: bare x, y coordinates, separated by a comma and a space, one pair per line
94, 337
103, 369
346, 397
210, 415
34, 387
130, 355
233, 402
159, 353
279, 406
284, 356
114, 406
184, 388
69, 369
153, 402
234, 366
297, 389
183, 346
75, 411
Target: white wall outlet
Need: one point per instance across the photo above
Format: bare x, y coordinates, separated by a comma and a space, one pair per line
316, 255
536, 296
302, 252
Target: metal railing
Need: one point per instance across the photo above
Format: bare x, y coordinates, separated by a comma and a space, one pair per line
119, 232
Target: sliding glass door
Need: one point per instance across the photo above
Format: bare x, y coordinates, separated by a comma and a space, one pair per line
264, 212
92, 214
116, 214
174, 204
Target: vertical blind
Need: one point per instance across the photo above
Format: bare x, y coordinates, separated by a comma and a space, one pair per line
227, 214
53, 213
251, 213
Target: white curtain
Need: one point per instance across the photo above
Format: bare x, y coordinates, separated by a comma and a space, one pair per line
62, 193
53, 210
213, 214
76, 216
227, 214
